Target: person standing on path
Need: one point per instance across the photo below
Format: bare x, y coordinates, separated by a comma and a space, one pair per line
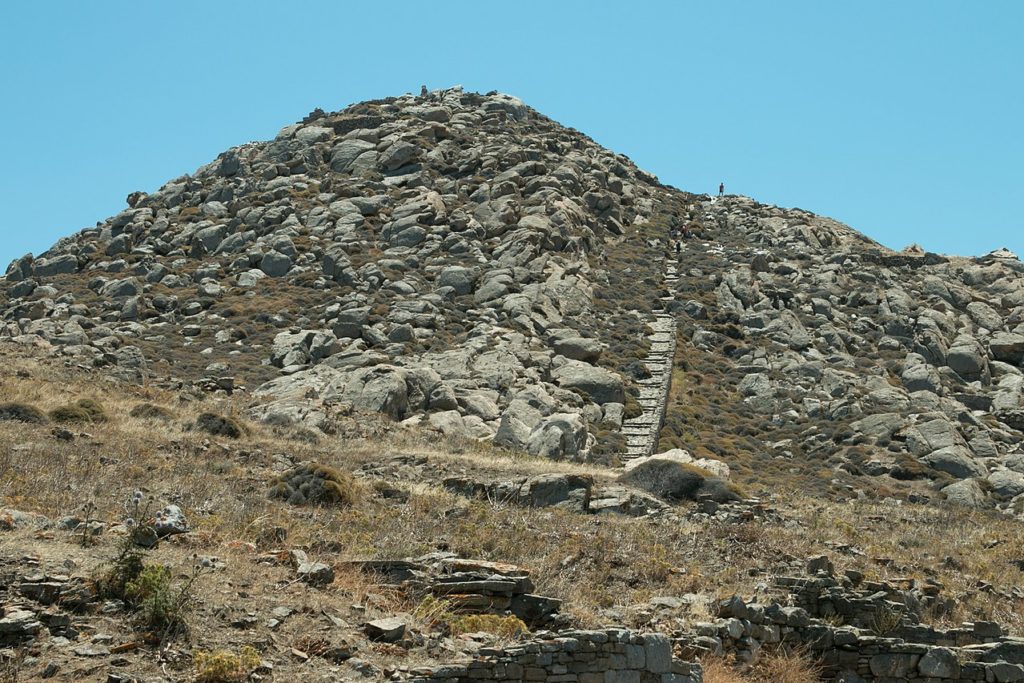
721, 189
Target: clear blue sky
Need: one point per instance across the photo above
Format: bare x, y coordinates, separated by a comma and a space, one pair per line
903, 119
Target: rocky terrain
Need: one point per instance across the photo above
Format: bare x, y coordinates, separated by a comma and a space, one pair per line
440, 378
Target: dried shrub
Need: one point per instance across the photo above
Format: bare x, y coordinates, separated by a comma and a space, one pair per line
84, 410
219, 425
313, 483
22, 412
150, 411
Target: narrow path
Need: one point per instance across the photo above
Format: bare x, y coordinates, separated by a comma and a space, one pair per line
642, 432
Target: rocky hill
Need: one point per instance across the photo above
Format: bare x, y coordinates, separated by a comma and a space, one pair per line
452, 333
462, 261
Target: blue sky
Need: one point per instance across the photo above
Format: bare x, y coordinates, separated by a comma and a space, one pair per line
902, 119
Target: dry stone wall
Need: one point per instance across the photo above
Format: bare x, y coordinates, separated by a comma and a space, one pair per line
608, 656
909, 653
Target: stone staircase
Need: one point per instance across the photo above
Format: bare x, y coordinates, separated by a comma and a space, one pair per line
642, 432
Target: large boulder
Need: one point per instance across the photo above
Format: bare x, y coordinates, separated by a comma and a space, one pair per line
579, 348
397, 155
517, 423
275, 264
557, 490
966, 492
954, 460
562, 435
921, 376
291, 348
459, 278
600, 385
676, 481
1006, 483
56, 265
967, 359
380, 389
346, 152
932, 435
1007, 347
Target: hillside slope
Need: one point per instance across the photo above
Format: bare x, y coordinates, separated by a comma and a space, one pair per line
462, 262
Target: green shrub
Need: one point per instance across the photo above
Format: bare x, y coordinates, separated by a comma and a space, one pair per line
152, 593
219, 425
632, 407
21, 412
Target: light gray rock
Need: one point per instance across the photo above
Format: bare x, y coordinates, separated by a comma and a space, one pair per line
560, 436
966, 492
116, 289
397, 155
967, 359
380, 389
517, 423
346, 152
56, 265
459, 278
954, 460
602, 386
579, 348
1006, 483
275, 264
1007, 347
939, 662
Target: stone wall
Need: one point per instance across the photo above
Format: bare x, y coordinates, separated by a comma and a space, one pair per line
609, 656
848, 654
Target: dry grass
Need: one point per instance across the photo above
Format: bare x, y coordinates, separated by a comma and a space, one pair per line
779, 666
592, 562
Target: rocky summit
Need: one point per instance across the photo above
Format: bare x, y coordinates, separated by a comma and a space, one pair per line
451, 297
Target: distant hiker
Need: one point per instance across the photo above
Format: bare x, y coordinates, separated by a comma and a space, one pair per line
423, 91
721, 189
679, 248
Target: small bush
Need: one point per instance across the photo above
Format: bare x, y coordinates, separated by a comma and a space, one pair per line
314, 483
84, 410
123, 570
149, 411
223, 666
219, 425
22, 412
885, 620
161, 604
632, 407
152, 592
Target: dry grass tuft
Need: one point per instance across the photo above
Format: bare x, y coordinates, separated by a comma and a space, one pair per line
150, 411
777, 666
84, 410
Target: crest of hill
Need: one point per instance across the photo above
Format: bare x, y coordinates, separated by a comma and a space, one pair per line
462, 262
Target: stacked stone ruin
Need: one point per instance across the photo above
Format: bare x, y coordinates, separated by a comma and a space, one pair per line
864, 634
471, 586
608, 656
